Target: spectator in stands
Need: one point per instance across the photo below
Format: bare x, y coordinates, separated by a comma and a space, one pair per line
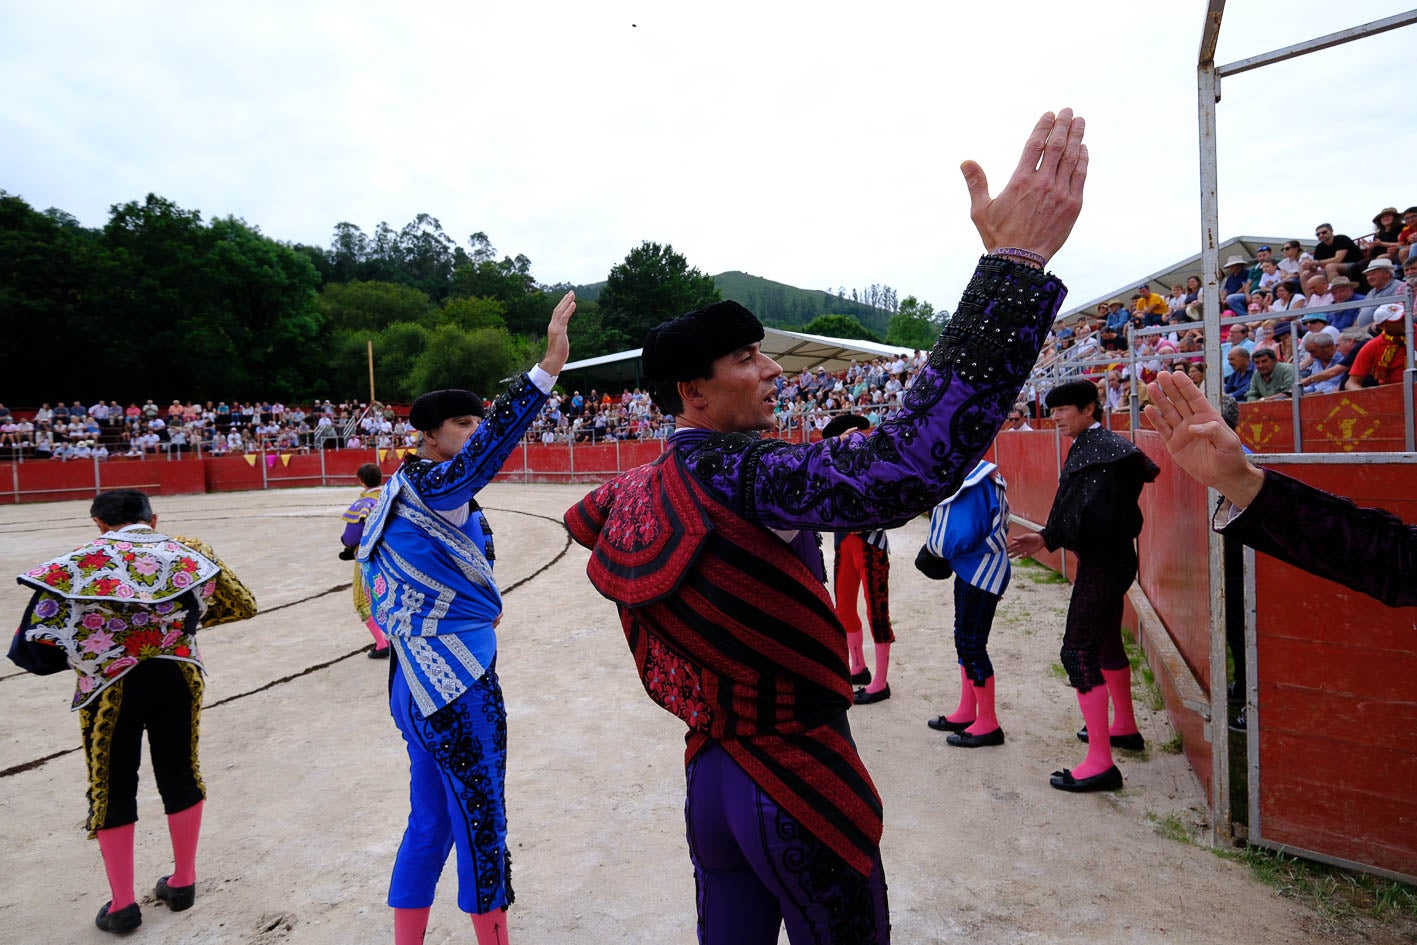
1322, 370
1242, 371
1196, 372
1234, 287
61, 413
1409, 272
1382, 283
1149, 303
1176, 301
1386, 238
43, 444
1286, 297
1318, 294
1263, 254
1017, 418
1338, 255
1342, 290
1273, 379
1408, 235
1293, 259
1383, 359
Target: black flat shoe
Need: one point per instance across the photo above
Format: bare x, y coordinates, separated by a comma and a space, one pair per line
942, 724
862, 678
124, 920
1109, 780
863, 697
178, 898
966, 740
379, 654
1132, 742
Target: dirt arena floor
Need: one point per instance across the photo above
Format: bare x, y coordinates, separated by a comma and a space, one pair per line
308, 789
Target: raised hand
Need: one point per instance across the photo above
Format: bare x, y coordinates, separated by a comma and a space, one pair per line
1039, 205
558, 346
1199, 440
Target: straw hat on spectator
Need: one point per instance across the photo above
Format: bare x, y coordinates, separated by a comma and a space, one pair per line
1236, 261
1382, 262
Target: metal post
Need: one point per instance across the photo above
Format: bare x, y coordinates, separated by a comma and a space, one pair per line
1208, 95
261, 458
323, 480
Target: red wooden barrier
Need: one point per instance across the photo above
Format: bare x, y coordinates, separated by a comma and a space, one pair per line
1337, 721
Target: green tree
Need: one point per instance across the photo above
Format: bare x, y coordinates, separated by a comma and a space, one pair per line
840, 326
477, 361
370, 306
472, 314
652, 284
914, 325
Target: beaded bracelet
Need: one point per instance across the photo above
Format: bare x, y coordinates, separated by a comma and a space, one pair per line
1024, 254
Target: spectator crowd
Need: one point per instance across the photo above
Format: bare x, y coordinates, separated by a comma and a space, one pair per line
1295, 300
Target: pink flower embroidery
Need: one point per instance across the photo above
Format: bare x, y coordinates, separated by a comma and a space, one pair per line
118, 666
92, 621
146, 566
380, 585
86, 683
97, 642
171, 637
181, 579
123, 591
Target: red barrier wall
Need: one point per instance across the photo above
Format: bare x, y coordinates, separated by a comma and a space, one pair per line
1337, 718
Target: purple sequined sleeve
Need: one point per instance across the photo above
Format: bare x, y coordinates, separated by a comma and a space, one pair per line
921, 453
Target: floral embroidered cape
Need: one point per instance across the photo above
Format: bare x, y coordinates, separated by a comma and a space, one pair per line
118, 600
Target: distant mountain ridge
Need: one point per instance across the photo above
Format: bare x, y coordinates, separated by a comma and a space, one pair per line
778, 304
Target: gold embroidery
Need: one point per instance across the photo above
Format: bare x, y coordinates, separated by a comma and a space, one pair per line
97, 722
193, 675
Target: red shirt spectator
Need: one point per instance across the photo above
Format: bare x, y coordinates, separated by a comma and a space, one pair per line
1382, 360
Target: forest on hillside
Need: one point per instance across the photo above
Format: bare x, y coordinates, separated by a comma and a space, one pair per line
160, 303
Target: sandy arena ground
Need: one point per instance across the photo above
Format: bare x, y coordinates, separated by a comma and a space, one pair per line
307, 776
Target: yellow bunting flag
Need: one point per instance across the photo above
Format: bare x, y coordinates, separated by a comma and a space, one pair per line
285, 459
382, 454
410, 451
250, 460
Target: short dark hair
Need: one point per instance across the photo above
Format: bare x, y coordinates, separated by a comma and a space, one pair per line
119, 507
370, 474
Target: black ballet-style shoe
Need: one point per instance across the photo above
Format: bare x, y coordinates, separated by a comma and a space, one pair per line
1109, 780
966, 740
381, 653
1132, 742
862, 678
941, 723
124, 920
178, 898
862, 697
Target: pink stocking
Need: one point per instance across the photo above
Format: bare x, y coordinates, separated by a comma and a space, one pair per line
185, 826
883, 666
1119, 688
967, 699
410, 925
856, 652
380, 641
116, 845
985, 721
1099, 750
491, 928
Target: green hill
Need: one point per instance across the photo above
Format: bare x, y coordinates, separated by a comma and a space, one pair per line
779, 305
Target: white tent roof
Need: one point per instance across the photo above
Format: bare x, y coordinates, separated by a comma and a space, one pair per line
1162, 281
796, 351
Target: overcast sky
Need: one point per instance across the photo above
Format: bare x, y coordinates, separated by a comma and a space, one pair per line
817, 144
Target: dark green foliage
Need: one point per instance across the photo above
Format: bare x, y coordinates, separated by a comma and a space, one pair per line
654, 283
840, 326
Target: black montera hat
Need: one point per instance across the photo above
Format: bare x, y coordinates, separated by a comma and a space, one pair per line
430, 410
1077, 394
683, 348
843, 422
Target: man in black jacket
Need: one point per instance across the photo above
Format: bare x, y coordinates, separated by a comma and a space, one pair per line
1095, 515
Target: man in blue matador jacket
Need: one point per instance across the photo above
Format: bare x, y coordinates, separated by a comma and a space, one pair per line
969, 534
426, 555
